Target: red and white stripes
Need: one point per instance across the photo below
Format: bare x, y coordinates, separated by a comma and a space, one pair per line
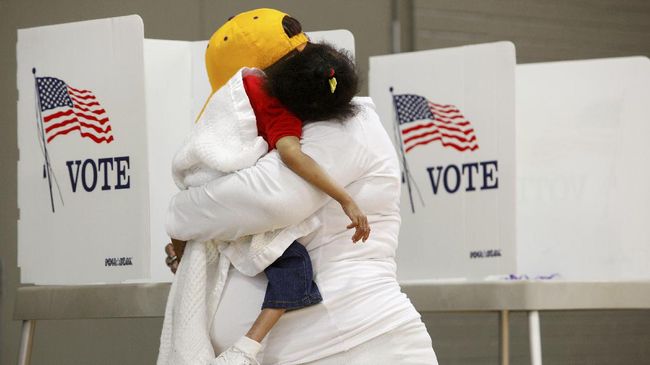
86, 116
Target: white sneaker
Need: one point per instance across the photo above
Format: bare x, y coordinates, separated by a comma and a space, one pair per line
243, 352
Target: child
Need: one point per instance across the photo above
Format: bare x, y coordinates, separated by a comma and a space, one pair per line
316, 83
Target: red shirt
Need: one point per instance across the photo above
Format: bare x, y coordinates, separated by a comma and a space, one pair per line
274, 121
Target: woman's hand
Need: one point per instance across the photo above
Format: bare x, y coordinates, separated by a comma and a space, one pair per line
359, 221
174, 251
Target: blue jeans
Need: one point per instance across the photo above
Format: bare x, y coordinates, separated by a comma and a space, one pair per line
291, 284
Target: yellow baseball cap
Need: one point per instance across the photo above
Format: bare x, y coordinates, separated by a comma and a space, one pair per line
255, 38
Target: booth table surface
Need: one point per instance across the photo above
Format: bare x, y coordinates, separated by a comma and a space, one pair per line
149, 299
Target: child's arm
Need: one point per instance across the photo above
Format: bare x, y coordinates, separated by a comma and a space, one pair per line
304, 166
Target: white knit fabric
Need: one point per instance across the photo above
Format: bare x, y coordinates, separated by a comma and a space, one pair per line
224, 140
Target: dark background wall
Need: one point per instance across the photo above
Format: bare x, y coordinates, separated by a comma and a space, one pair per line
542, 30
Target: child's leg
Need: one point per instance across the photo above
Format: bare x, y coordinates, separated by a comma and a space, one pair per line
264, 322
291, 286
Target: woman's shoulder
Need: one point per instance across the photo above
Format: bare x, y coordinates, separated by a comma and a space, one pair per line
364, 101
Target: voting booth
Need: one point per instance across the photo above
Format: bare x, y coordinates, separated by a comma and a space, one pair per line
450, 113
559, 192
101, 111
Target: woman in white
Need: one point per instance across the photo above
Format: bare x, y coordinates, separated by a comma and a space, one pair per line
364, 318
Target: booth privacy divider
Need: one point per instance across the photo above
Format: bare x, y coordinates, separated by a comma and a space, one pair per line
559, 192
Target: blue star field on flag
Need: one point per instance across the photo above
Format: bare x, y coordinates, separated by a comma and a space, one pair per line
53, 93
412, 107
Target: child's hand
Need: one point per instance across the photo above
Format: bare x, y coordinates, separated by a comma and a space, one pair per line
359, 221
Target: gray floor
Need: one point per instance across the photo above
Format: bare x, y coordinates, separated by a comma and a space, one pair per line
569, 338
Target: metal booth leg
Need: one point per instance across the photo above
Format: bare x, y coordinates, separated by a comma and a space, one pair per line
535, 338
26, 341
504, 351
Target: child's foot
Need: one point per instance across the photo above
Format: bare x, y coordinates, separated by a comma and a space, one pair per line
243, 352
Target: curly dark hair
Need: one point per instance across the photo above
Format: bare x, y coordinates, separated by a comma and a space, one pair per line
301, 81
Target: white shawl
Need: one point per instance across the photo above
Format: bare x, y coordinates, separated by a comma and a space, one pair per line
224, 140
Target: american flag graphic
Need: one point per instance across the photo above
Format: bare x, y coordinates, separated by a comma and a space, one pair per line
65, 109
422, 122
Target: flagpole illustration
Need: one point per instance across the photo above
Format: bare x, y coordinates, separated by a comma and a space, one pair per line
407, 174
41, 128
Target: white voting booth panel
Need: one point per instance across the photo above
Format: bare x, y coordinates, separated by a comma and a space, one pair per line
450, 113
83, 185
107, 223
583, 205
582, 195
176, 86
